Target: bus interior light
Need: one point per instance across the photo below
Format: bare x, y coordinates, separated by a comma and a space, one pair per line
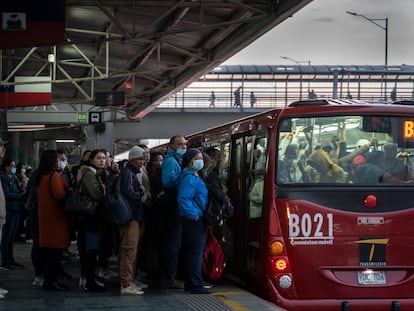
276, 248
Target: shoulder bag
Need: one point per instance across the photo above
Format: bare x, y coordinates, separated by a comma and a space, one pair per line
80, 203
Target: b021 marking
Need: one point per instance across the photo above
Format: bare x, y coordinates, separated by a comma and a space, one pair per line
311, 226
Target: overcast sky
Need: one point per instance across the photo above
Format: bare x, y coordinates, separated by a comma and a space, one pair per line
324, 34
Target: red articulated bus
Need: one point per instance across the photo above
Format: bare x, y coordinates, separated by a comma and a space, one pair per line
323, 193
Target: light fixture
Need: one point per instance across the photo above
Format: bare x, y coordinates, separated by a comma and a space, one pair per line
25, 127
65, 140
384, 27
51, 58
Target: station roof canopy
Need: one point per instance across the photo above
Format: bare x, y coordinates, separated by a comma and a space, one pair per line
147, 49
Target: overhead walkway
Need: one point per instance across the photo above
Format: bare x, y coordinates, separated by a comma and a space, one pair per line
279, 85
192, 109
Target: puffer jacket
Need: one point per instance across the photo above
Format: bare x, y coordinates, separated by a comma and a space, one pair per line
192, 195
171, 170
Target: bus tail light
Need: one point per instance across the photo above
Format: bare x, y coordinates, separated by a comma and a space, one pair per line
279, 265
285, 281
276, 248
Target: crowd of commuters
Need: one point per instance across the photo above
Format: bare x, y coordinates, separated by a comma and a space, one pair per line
331, 161
164, 239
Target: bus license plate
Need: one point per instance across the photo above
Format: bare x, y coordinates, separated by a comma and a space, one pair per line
371, 277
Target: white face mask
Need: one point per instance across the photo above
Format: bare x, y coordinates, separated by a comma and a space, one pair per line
23, 171
63, 164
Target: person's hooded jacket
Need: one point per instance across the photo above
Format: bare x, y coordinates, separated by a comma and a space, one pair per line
171, 169
192, 195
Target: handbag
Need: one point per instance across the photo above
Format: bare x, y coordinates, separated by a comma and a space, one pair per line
80, 203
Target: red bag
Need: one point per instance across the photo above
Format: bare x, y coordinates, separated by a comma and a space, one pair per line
213, 257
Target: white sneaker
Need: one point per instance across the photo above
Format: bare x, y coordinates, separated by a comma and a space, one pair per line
38, 281
140, 284
82, 282
3, 291
131, 290
1, 297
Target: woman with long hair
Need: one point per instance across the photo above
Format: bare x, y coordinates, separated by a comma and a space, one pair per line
90, 226
53, 221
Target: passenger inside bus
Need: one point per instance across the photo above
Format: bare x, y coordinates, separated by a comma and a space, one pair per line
376, 170
373, 170
397, 164
332, 147
256, 198
289, 167
257, 183
321, 169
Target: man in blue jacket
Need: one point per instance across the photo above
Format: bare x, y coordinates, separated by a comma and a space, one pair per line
171, 220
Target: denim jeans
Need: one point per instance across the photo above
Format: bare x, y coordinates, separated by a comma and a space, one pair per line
194, 241
9, 233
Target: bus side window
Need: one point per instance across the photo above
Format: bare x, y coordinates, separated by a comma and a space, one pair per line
224, 164
257, 185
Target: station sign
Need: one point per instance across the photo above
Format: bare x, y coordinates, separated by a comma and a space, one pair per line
95, 117
53, 117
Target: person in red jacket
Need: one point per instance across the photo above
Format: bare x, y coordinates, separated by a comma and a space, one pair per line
54, 222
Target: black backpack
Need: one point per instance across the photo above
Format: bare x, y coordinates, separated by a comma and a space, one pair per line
120, 212
219, 207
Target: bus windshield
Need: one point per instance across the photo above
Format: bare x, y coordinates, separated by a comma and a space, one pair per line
361, 150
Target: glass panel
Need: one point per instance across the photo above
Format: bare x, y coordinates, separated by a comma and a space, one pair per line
224, 164
257, 184
346, 150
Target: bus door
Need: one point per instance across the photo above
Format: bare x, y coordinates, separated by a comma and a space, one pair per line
248, 158
254, 184
236, 192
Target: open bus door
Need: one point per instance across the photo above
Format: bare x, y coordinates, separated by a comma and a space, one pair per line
248, 160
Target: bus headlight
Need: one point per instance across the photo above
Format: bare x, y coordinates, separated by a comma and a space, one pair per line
285, 281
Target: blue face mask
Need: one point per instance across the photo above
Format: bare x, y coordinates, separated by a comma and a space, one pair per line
13, 170
198, 164
180, 152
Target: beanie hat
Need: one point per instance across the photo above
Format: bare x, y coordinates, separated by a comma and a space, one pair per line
135, 153
190, 153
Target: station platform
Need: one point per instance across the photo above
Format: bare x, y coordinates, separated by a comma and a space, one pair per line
24, 296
